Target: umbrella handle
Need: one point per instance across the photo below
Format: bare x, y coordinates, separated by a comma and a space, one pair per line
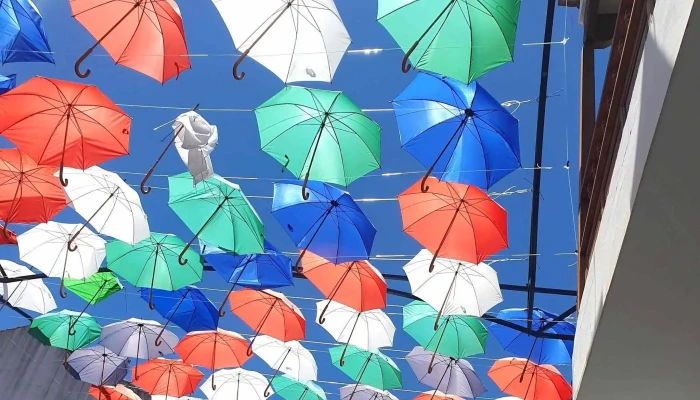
142, 186
150, 301
237, 63
286, 163
158, 341
181, 258
61, 291
267, 393
423, 187
249, 351
82, 58
178, 71
432, 263
405, 66
342, 356
305, 193
322, 318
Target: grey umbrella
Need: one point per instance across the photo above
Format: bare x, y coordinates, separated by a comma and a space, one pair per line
448, 375
98, 366
364, 392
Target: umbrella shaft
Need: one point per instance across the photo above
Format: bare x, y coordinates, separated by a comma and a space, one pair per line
320, 225
417, 42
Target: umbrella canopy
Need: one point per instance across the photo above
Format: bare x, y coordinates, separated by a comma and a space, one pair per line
454, 220
31, 294
7, 236
292, 389
7, 83
53, 330
88, 128
463, 39
22, 38
187, 308
157, 49
236, 384
195, 141
290, 358
318, 134
329, 223
368, 330
95, 288
136, 338
529, 381
367, 367
447, 374
306, 40
119, 392
98, 366
364, 392
438, 395
213, 349
459, 132
168, 377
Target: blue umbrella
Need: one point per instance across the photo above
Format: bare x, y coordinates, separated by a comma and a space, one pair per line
541, 350
22, 36
459, 132
187, 308
267, 270
7, 83
329, 223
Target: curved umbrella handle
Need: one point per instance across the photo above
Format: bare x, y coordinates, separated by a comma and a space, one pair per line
249, 351
142, 186
150, 300
64, 182
405, 66
181, 258
213, 385
158, 340
82, 58
430, 364
237, 63
432, 262
267, 393
305, 193
72, 246
423, 187
342, 356
322, 318
61, 291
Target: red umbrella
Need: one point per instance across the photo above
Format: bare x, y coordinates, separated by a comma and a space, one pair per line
436, 395
112, 393
529, 381
63, 123
7, 236
356, 284
144, 35
167, 377
453, 220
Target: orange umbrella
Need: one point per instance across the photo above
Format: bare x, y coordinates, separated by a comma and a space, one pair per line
268, 312
356, 284
453, 220
167, 377
436, 395
144, 35
64, 123
529, 381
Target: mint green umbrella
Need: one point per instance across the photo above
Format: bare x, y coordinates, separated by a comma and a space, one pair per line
54, 329
291, 389
219, 213
367, 367
461, 39
153, 262
319, 134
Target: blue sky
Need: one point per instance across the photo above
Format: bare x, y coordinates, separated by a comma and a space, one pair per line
371, 81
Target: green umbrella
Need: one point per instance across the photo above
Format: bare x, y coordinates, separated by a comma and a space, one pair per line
219, 213
367, 367
457, 336
94, 289
291, 389
153, 262
54, 329
461, 39
319, 134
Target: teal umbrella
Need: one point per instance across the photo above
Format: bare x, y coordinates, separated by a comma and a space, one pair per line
367, 367
291, 389
54, 329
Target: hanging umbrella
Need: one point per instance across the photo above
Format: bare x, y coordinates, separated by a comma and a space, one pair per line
367, 367
295, 40
364, 392
329, 223
119, 392
256, 308
219, 213
529, 381
81, 127
291, 358
45, 247
438, 395
30, 294
95, 288
540, 350
431, 219
168, 377
289, 388
153, 263
459, 132
213, 350
268, 270
7, 83
156, 49
107, 203
368, 330
54, 329
356, 284
22, 38
318, 134
98, 366
236, 384
447, 374
463, 39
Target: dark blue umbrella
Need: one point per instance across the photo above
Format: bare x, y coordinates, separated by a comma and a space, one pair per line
329, 223
267, 270
7, 83
459, 132
22, 36
540, 350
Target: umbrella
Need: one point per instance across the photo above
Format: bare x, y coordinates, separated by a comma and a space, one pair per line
368, 330
219, 213
54, 329
448, 375
80, 126
292, 389
356, 284
364, 392
268, 270
553, 351
296, 40
7, 83
95, 288
22, 38
457, 336
119, 392
454, 287
367, 367
153, 263
295, 361
156, 49
431, 219
98, 366
213, 349
45, 247
168, 377
107, 203
529, 381
318, 134
438, 395
7, 236
256, 308
238, 384
28, 192
459, 132
463, 39
29, 294
329, 223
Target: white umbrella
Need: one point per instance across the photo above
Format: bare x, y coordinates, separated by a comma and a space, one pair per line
31, 295
236, 384
45, 247
107, 203
364, 392
298, 40
290, 358
195, 141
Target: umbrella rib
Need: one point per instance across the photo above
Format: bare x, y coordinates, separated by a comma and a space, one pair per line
283, 8
447, 14
296, 37
500, 29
